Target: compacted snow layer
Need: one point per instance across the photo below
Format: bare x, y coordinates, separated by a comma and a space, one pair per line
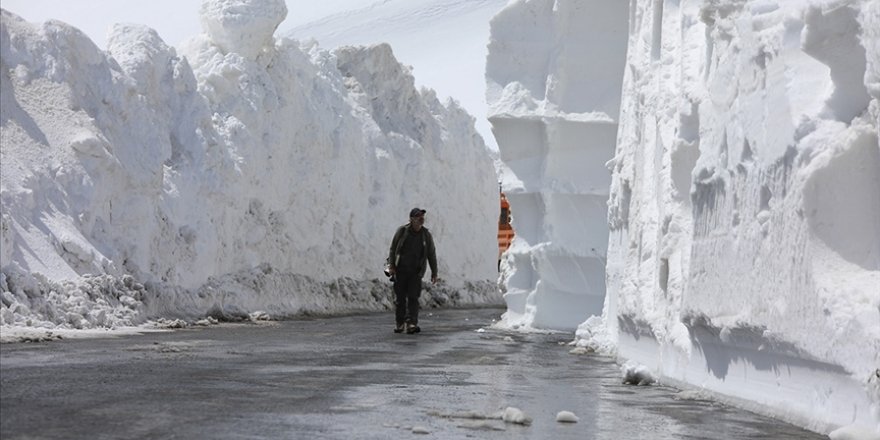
239, 173
555, 130
743, 252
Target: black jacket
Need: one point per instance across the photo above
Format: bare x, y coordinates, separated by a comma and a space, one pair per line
429, 256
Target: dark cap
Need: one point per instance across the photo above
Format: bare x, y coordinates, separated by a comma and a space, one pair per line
417, 212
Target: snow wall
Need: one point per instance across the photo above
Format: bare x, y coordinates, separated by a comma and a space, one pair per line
242, 174
743, 252
555, 130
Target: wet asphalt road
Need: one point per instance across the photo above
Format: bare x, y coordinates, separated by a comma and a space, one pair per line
343, 378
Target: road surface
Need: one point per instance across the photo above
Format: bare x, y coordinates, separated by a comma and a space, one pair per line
344, 378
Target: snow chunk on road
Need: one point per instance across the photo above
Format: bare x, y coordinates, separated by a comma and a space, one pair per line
566, 417
636, 374
854, 432
515, 415
420, 430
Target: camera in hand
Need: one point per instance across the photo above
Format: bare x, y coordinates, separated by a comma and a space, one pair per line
388, 272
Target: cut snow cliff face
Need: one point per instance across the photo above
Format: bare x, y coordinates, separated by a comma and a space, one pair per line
554, 74
744, 244
245, 173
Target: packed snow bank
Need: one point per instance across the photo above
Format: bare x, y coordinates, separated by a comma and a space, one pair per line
744, 248
554, 74
443, 40
251, 174
744, 253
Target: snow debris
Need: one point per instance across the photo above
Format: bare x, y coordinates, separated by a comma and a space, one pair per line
420, 430
170, 323
566, 417
854, 432
259, 315
515, 415
636, 374
206, 322
32, 337
593, 336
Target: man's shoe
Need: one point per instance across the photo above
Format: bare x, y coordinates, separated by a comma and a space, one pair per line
412, 328
398, 328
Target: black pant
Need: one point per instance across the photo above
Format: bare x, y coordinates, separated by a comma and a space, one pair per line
407, 290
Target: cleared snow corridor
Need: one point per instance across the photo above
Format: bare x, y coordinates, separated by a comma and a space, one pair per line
695, 184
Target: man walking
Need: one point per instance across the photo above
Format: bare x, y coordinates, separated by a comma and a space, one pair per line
411, 248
